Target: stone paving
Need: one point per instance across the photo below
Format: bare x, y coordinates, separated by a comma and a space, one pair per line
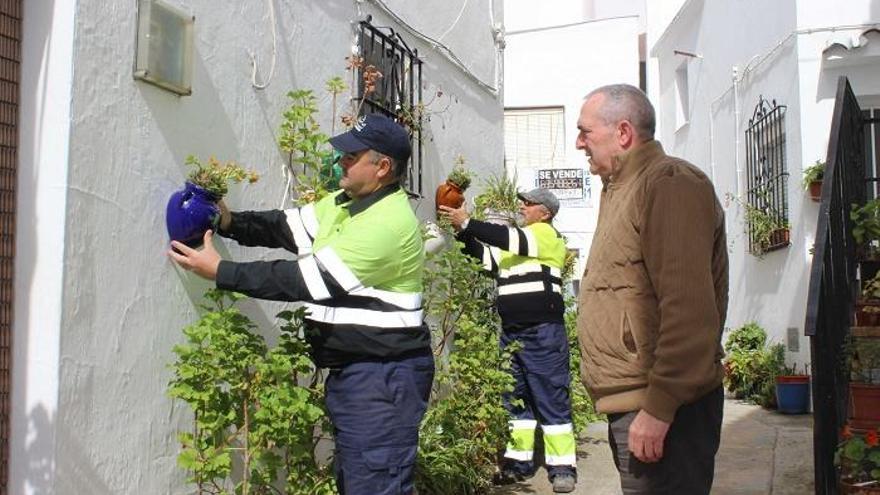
762, 452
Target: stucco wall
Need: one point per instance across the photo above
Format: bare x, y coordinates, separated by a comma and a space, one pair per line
557, 68
123, 302
769, 58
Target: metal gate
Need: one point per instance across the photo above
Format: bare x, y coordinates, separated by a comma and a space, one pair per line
833, 282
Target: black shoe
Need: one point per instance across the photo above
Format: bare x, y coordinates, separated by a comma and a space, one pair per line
510, 476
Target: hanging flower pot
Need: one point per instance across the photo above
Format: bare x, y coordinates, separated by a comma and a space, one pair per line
815, 190
190, 213
193, 210
451, 192
448, 194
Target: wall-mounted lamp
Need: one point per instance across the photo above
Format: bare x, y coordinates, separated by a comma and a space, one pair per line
164, 50
687, 54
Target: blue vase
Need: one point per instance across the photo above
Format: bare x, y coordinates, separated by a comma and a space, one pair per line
190, 213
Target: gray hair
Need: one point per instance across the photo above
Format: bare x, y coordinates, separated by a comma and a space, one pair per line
398, 168
627, 102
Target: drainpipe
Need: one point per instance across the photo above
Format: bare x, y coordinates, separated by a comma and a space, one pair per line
736, 141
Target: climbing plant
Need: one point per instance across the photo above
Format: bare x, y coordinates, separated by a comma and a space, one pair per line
256, 409
465, 428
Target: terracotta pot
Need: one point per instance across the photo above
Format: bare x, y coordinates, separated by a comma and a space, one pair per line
864, 405
448, 194
815, 190
848, 488
779, 238
865, 318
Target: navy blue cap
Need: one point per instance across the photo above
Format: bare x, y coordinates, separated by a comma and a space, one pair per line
375, 132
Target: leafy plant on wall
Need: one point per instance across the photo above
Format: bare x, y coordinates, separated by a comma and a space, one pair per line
465, 427
256, 409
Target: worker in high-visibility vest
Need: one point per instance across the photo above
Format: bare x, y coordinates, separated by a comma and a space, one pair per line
527, 263
359, 273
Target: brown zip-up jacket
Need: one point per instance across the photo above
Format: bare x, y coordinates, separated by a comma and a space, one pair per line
653, 298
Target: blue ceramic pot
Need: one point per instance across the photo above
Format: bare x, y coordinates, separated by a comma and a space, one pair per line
190, 213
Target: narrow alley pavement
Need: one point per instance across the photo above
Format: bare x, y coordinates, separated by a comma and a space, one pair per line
762, 452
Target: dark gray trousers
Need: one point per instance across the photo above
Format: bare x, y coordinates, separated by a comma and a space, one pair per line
688, 463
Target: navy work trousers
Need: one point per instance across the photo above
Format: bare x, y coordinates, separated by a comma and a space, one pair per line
376, 408
543, 379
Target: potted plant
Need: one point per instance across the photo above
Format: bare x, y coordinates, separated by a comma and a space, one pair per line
751, 367
864, 386
498, 202
451, 192
193, 210
767, 229
868, 304
812, 179
866, 228
792, 391
858, 458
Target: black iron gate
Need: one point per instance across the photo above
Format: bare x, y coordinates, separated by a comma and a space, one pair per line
833, 282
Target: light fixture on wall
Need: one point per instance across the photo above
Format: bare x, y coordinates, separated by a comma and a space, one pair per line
164, 49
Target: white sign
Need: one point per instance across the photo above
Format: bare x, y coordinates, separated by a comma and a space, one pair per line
565, 183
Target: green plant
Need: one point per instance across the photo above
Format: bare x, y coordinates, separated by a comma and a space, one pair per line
871, 287
307, 146
498, 196
858, 457
257, 408
460, 176
762, 224
864, 360
749, 337
215, 176
751, 368
335, 86
465, 426
813, 173
866, 222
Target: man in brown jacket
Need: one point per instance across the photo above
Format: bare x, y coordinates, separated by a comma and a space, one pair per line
653, 300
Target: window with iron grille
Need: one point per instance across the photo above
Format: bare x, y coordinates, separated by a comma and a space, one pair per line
397, 93
767, 178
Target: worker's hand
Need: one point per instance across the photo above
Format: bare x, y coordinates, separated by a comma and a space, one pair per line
202, 262
456, 216
225, 216
646, 437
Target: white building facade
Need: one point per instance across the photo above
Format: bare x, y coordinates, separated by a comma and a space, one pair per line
98, 305
718, 64
553, 58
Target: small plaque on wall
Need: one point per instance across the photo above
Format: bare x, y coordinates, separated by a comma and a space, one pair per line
164, 50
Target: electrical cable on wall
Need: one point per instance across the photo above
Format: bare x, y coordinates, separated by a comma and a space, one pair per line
455, 22
436, 45
254, 82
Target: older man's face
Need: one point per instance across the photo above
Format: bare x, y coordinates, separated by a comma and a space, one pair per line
600, 141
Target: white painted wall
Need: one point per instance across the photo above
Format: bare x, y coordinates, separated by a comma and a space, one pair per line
100, 343
557, 67
48, 33
762, 45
